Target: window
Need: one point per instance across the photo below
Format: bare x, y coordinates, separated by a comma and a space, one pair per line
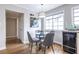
75, 20
58, 22
48, 23
55, 22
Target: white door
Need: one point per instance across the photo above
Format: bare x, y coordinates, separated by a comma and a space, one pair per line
11, 27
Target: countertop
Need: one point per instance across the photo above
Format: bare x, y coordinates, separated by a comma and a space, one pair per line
71, 31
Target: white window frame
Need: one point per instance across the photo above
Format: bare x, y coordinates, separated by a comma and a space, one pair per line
62, 12
47, 18
58, 21
73, 20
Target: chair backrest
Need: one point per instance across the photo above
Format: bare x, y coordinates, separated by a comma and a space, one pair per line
48, 41
29, 37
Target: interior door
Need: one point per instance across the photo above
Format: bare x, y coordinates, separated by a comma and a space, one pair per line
11, 27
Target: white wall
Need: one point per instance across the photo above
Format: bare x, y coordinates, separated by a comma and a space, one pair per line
58, 37
20, 27
77, 43
2, 29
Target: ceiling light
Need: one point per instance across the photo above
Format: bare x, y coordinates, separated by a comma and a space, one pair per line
42, 13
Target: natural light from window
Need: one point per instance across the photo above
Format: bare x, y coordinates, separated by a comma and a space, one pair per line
75, 20
55, 22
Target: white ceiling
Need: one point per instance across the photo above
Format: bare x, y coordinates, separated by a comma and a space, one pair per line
36, 8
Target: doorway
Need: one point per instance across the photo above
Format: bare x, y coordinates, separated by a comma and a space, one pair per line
14, 21
11, 27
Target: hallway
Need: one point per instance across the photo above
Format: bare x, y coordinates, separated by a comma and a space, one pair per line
13, 43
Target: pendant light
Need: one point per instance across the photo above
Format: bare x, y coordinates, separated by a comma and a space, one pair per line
42, 13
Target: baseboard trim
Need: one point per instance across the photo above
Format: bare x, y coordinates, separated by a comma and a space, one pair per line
24, 42
2, 48
58, 43
11, 37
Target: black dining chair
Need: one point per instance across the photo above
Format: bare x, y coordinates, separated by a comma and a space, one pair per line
31, 41
48, 42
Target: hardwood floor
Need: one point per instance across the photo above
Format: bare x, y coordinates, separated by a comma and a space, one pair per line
15, 46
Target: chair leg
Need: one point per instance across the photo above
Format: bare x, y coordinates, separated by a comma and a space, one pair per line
39, 47
48, 47
36, 48
52, 49
29, 45
31, 48
45, 50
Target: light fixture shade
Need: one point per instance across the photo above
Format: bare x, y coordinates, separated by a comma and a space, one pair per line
41, 15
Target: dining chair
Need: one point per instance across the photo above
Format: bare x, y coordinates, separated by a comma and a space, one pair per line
31, 41
48, 42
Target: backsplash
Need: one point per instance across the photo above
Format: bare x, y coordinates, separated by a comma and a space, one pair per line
72, 27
